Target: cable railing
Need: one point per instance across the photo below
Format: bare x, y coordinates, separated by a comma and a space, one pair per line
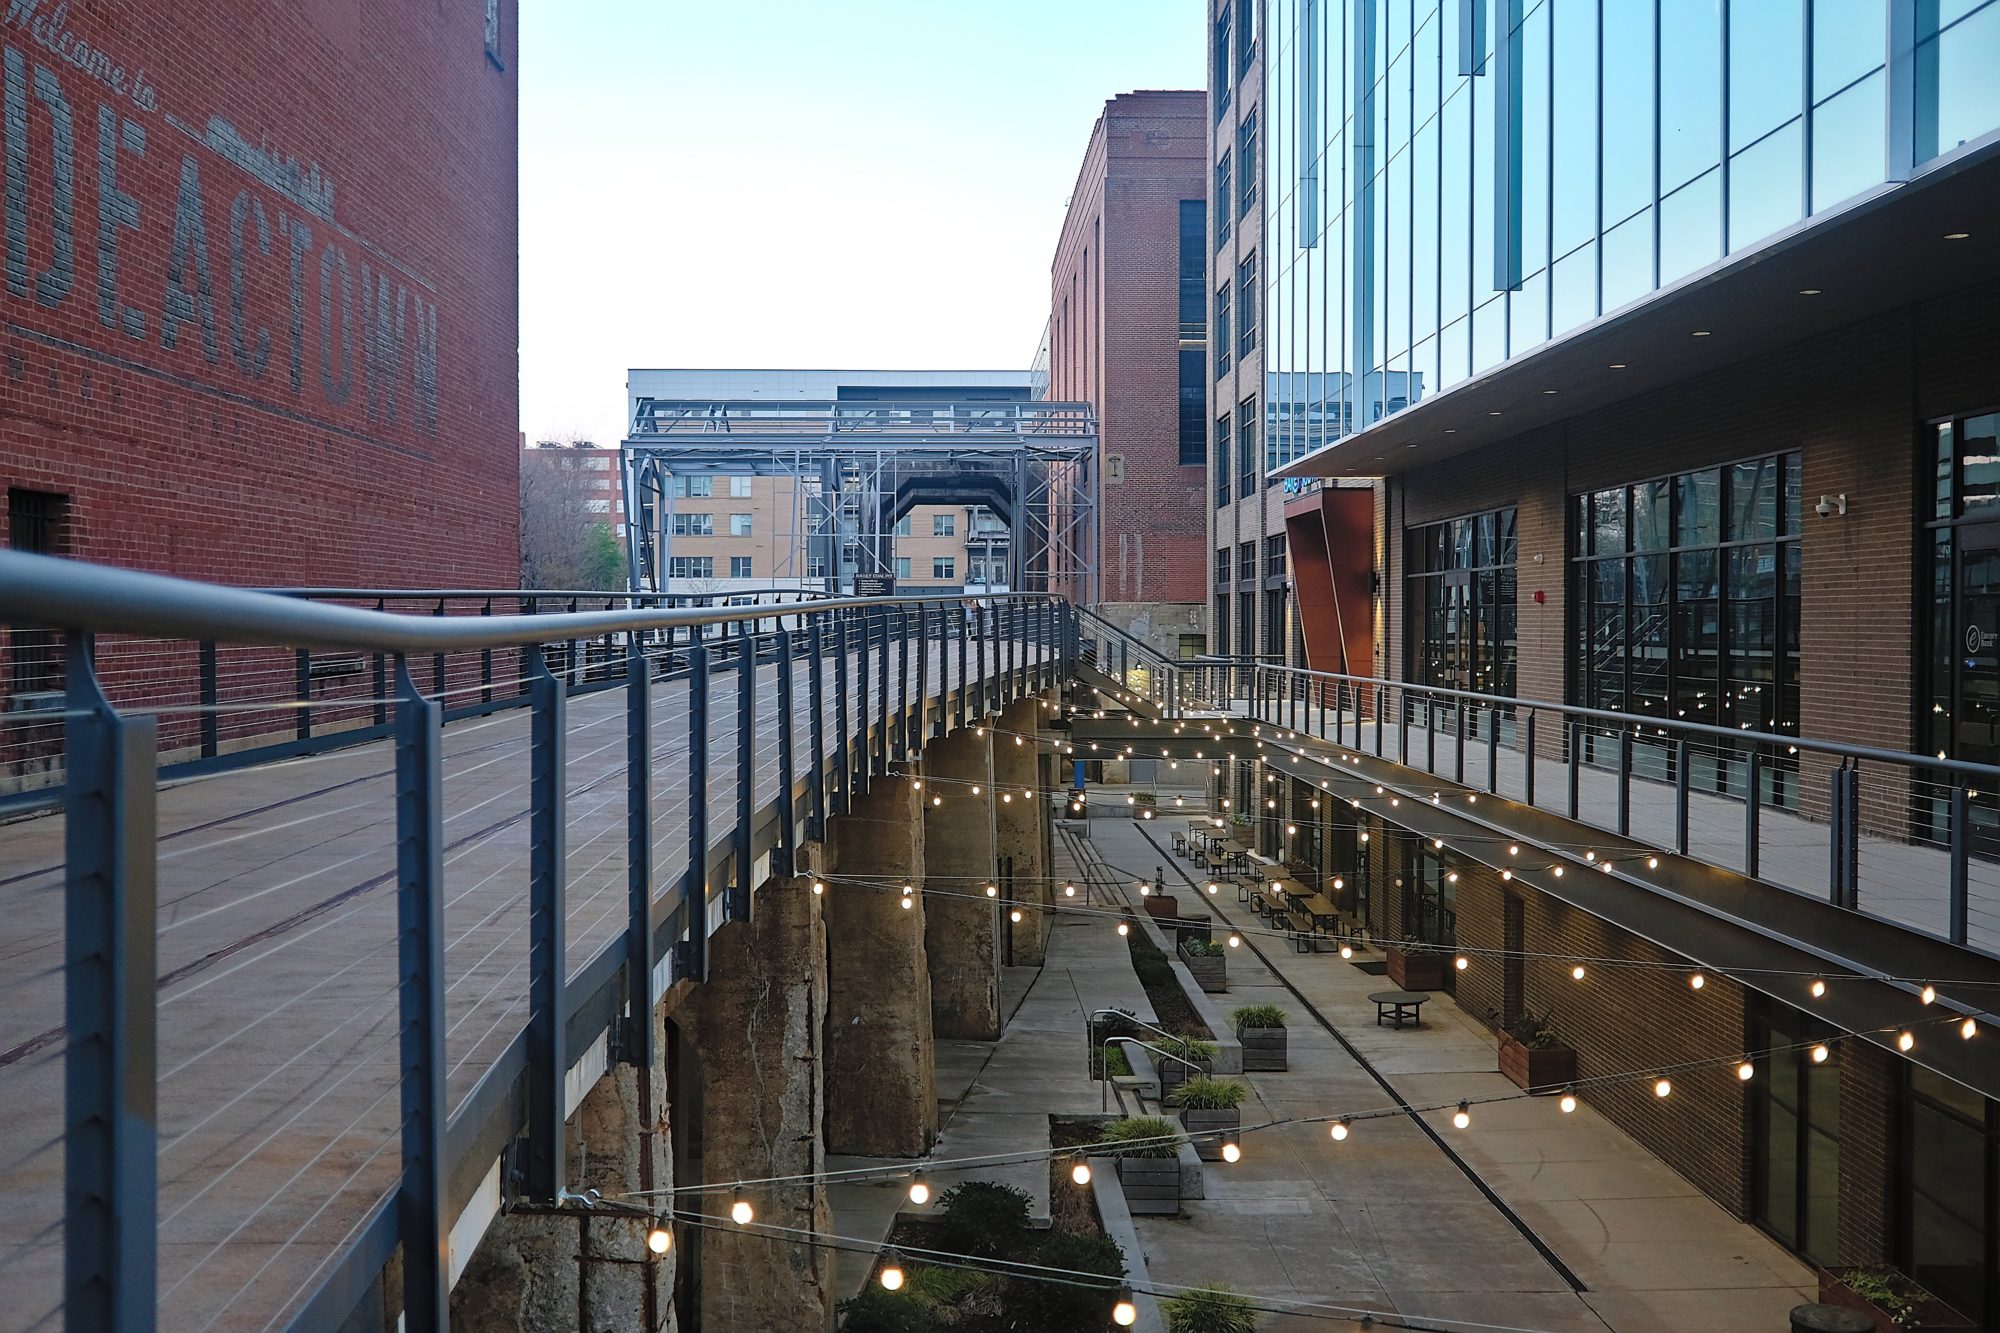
1139, 668
1908, 838
300, 1000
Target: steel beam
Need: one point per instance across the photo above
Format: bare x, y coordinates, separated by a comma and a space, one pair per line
547, 929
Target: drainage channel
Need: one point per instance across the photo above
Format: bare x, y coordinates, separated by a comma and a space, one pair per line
1515, 1219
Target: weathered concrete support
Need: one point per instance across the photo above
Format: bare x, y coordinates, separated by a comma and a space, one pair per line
881, 1075
961, 928
759, 1023
1021, 826
540, 1268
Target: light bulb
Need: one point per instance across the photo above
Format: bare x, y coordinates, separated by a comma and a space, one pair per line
1124, 1314
917, 784
1235, 940
1462, 1118
1124, 929
1576, 973
1437, 844
658, 1239
993, 890
740, 1211
1338, 1130
908, 902
1507, 874
1347, 951
1015, 916
1746, 1071
1652, 863
1213, 889
1662, 1087
1697, 981
1905, 1041
819, 886
1929, 995
937, 801
1818, 988
1568, 1102
1819, 1053
975, 789
1231, 1152
1069, 890
1557, 871
1461, 962
892, 1276
1145, 890
1968, 1029
1080, 1173
1513, 851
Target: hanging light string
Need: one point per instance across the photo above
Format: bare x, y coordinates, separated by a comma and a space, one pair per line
1818, 1051
1071, 1277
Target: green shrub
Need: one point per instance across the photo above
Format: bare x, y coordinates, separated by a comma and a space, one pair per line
1258, 1016
1537, 1034
983, 1218
1210, 1094
1201, 948
1154, 971
1188, 1048
950, 1291
1209, 1310
1036, 1304
1142, 1136
877, 1310
1115, 1063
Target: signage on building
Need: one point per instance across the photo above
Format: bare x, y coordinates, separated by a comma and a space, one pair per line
874, 585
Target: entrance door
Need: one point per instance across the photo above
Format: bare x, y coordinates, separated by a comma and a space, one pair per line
1976, 705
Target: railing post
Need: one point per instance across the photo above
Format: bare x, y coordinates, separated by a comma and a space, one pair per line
548, 1063
1961, 855
1493, 750
695, 963
110, 987
1459, 711
1849, 847
882, 679
964, 648
1010, 639
1753, 810
843, 758
302, 683
1681, 795
902, 682
420, 1201
864, 678
1575, 766
816, 686
782, 859
211, 719
1430, 734
736, 902
638, 1042
1624, 781
1528, 742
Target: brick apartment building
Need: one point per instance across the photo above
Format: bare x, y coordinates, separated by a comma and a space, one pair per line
1692, 423
258, 322
1127, 335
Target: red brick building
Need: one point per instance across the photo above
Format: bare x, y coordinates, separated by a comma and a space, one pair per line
1121, 326
258, 298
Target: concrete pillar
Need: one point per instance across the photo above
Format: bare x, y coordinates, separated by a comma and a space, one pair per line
881, 1075
1021, 826
541, 1268
759, 1025
961, 927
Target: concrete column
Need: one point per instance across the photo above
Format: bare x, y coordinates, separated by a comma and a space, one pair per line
881, 1076
1021, 826
541, 1268
759, 1024
961, 928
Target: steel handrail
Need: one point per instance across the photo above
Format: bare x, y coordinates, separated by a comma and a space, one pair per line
1627, 721
1104, 1073
530, 594
51, 592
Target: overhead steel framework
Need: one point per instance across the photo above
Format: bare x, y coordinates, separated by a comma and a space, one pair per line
856, 467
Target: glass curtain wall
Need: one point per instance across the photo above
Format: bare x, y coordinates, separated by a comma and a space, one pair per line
1961, 698
1461, 598
1452, 182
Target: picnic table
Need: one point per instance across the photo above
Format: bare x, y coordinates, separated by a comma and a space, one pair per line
1398, 1005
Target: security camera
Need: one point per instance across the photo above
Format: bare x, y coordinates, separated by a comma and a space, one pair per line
1830, 505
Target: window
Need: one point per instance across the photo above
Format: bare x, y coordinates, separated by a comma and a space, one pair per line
597, 506
1221, 331
37, 522
1220, 79
697, 486
1223, 213
1274, 597
1222, 476
1246, 306
739, 567
739, 487
596, 465
944, 567
739, 525
493, 34
944, 525
1246, 453
1951, 1157
903, 526
1246, 34
1219, 624
1795, 1131
694, 525
1685, 603
902, 566
815, 566
1246, 165
1222, 568
691, 567
1460, 600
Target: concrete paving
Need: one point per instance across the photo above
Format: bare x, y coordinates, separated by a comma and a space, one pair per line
1388, 1220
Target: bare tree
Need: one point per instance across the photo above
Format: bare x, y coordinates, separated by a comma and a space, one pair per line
563, 543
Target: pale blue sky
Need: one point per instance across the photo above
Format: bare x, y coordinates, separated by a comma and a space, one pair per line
804, 182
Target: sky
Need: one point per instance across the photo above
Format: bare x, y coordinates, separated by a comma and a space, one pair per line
804, 183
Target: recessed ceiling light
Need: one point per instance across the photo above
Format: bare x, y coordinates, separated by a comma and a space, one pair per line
1449, 430
1808, 291
1617, 365
1548, 391
1494, 413
1701, 333
1957, 235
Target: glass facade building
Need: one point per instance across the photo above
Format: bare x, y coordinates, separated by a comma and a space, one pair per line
1453, 183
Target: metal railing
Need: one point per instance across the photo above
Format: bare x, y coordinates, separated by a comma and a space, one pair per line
1908, 838
1138, 667
317, 1008
762, 418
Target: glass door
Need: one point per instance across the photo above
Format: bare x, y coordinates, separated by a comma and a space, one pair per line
1975, 712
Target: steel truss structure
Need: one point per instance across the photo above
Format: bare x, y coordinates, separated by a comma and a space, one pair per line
856, 467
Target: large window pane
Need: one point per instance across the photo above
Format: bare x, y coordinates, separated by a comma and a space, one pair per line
1753, 500
1849, 37
1958, 99
1575, 290
1628, 261
1628, 111
1691, 227
1979, 465
1575, 120
1947, 1206
1850, 143
1698, 508
1767, 186
1690, 92
1766, 68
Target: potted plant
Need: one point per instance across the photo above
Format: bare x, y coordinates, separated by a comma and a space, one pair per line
1240, 830
1184, 1051
1261, 1030
1210, 1309
1208, 961
1416, 968
1533, 1056
1209, 1105
1148, 1151
1890, 1296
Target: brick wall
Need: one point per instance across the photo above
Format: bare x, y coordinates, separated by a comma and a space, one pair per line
263, 326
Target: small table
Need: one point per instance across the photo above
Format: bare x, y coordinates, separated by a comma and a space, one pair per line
1398, 1005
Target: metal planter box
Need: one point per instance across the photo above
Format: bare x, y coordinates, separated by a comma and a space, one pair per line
1264, 1050
1152, 1185
1205, 1122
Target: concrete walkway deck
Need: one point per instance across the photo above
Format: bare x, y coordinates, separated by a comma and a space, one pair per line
1389, 1221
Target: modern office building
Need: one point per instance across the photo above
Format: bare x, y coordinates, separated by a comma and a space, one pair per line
1668, 336
730, 534
1127, 334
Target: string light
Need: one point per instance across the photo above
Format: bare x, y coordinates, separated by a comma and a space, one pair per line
993, 890
920, 1193
892, 1271
658, 1239
1929, 994
1462, 1118
819, 886
1124, 929
1338, 1130
1820, 1053
1568, 1102
1461, 962
1235, 940
1968, 1029
908, 901
1213, 888
1662, 1087
1015, 916
1069, 890
1124, 1313
1746, 1070
1557, 871
1818, 987
1080, 1172
1905, 1040
1576, 973
740, 1211
1231, 1151
1697, 981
